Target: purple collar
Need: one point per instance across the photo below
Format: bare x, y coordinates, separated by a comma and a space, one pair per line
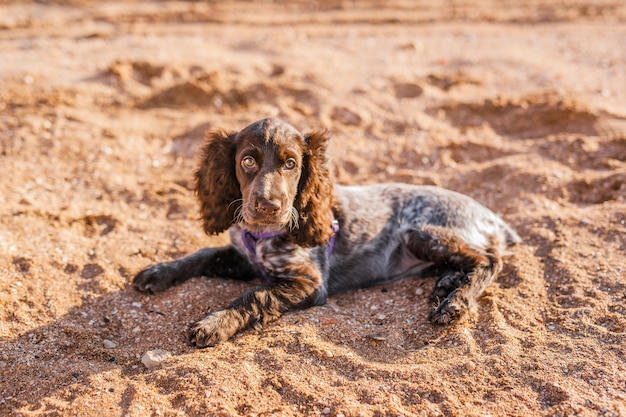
250, 240
331, 241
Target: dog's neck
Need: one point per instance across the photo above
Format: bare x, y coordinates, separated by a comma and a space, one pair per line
260, 232
250, 238
262, 235
266, 231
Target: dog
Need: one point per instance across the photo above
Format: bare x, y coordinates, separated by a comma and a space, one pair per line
308, 238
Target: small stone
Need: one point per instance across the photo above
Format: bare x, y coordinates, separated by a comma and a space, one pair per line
376, 337
154, 358
109, 344
327, 353
326, 410
91, 271
470, 366
419, 291
136, 304
22, 264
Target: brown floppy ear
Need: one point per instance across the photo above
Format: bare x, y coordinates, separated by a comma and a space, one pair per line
316, 196
217, 187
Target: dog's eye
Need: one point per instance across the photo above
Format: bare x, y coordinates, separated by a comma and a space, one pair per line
290, 164
248, 162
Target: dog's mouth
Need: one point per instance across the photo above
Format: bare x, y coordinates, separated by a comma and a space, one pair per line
284, 218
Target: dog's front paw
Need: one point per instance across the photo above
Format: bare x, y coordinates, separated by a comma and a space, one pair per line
155, 278
215, 328
450, 309
448, 282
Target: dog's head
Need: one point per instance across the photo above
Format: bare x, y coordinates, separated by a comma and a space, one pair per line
268, 177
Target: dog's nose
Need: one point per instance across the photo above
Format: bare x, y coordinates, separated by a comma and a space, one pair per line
267, 206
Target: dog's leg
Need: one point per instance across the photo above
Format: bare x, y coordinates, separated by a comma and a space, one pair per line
224, 262
292, 288
465, 271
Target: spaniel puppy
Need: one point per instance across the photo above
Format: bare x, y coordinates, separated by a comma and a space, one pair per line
308, 238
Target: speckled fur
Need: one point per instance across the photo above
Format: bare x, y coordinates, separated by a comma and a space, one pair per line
386, 232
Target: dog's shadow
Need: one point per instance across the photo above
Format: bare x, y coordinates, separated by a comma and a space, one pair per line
48, 367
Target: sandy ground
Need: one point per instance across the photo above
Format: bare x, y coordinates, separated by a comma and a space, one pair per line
520, 104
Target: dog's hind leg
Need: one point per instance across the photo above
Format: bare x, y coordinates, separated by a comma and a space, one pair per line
465, 271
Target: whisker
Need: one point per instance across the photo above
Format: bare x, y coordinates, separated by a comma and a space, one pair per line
238, 215
293, 220
233, 202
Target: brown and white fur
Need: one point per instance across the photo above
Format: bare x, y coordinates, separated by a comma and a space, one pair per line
273, 181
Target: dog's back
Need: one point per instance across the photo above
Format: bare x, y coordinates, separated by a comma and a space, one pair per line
374, 221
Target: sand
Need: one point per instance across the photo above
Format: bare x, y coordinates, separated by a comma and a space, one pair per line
520, 104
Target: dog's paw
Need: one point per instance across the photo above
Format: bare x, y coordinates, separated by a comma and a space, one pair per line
214, 329
155, 278
448, 311
448, 282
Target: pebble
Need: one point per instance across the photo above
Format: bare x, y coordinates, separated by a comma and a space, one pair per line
376, 337
326, 410
91, 271
328, 353
154, 358
470, 366
109, 344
